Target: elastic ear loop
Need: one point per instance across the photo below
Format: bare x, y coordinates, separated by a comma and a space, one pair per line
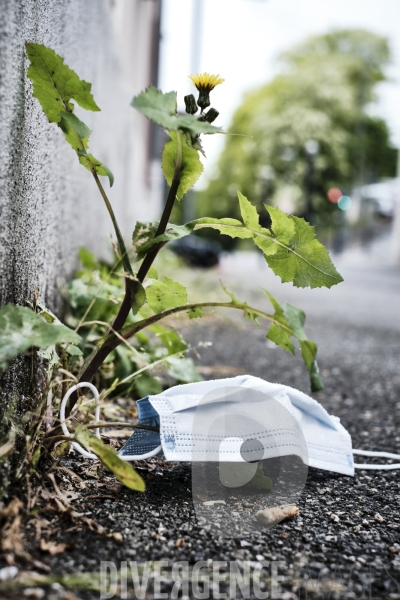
78, 447
379, 455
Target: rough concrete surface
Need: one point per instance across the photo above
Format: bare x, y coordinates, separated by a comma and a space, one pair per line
49, 204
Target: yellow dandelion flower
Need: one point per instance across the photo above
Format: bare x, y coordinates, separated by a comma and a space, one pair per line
205, 82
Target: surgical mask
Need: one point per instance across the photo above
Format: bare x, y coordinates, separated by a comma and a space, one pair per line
273, 419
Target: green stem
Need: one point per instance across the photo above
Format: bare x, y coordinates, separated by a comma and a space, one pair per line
95, 361
110, 342
121, 244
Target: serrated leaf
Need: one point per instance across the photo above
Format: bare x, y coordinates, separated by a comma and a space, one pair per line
157, 106
55, 84
21, 328
289, 322
108, 456
162, 295
90, 163
144, 240
143, 236
289, 246
191, 168
249, 213
161, 108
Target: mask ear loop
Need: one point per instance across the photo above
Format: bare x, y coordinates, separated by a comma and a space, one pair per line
371, 467
64, 427
77, 446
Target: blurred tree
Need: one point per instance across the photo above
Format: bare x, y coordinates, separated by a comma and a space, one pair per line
324, 93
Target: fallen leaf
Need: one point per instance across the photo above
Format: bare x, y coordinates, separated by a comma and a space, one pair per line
10, 539
275, 514
52, 547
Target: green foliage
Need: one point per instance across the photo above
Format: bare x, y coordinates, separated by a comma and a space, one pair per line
55, 85
191, 166
162, 295
95, 295
122, 470
322, 94
161, 108
289, 245
21, 328
287, 322
144, 240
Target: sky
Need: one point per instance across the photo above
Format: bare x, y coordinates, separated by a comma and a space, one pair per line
241, 40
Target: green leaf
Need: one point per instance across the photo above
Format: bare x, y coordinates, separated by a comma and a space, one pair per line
182, 369
260, 480
88, 259
146, 385
248, 311
108, 456
90, 163
55, 84
195, 312
191, 168
249, 213
296, 319
162, 295
289, 246
171, 339
144, 240
306, 262
289, 322
73, 350
81, 129
139, 296
161, 108
157, 106
21, 328
143, 237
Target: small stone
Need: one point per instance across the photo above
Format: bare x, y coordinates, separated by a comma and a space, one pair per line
260, 557
335, 518
8, 573
379, 518
365, 522
117, 536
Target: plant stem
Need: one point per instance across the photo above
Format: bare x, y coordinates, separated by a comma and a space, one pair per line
126, 304
110, 342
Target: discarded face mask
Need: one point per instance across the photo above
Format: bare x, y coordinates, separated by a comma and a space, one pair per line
239, 419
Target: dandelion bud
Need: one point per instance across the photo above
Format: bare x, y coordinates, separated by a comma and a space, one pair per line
209, 116
190, 104
204, 99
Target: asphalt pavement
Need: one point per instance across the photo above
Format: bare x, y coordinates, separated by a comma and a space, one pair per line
345, 541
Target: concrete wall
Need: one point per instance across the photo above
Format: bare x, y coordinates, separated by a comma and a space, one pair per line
49, 204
